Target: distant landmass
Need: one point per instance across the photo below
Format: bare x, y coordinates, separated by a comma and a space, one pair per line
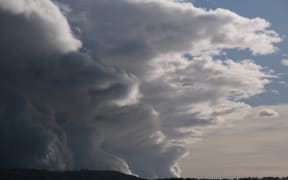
21, 174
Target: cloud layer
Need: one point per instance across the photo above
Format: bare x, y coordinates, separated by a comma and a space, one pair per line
82, 87
137, 31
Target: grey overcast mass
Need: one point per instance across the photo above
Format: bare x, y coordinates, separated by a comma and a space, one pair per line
125, 85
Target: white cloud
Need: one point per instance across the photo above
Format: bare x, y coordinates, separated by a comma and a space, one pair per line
284, 62
268, 113
284, 83
275, 92
200, 93
44, 29
139, 30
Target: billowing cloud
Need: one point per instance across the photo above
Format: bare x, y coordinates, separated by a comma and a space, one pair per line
34, 27
200, 92
50, 92
128, 100
268, 113
156, 27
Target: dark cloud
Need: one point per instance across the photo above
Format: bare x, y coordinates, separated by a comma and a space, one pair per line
40, 100
48, 96
118, 103
64, 110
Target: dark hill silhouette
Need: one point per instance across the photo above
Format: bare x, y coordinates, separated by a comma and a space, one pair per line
21, 174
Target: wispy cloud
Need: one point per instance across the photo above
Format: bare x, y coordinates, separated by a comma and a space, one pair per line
284, 62
253, 146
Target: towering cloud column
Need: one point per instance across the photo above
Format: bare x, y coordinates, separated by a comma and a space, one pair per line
120, 85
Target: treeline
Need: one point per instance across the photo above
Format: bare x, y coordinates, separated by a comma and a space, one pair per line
246, 178
20, 174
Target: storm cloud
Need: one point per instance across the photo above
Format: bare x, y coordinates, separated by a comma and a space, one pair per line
105, 84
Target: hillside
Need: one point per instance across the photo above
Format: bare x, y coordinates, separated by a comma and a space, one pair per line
67, 175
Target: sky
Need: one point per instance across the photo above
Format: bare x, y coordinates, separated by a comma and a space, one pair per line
154, 88
253, 146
